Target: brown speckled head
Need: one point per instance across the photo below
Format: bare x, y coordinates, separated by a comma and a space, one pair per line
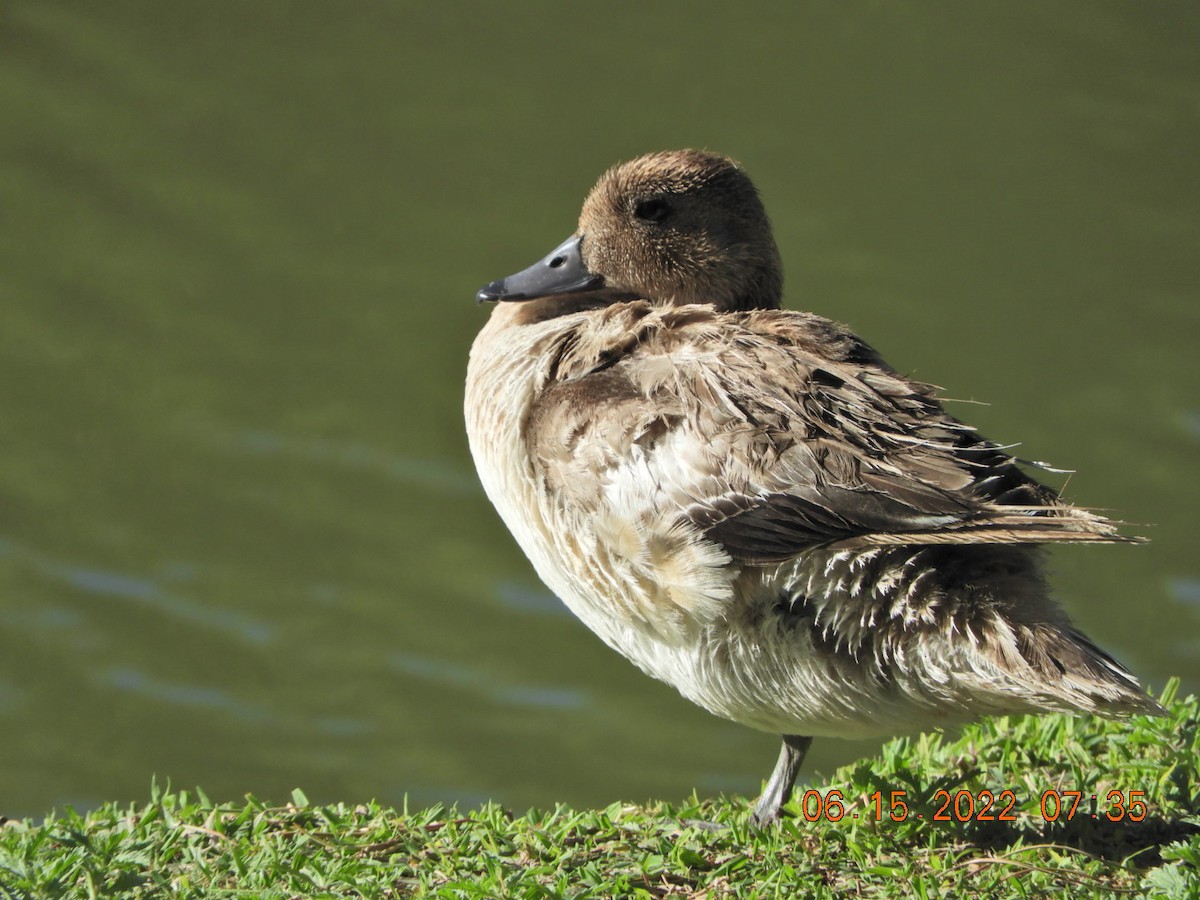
682, 226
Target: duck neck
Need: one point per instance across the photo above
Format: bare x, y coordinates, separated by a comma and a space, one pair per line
764, 290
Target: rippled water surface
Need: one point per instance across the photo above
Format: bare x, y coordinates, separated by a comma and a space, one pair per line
242, 544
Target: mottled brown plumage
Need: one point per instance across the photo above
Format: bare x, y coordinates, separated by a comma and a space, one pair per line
749, 503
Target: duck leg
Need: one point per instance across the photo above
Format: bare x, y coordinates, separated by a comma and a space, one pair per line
779, 786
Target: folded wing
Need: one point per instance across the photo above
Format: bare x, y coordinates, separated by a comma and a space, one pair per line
776, 433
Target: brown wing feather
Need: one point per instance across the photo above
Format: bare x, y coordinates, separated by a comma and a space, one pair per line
773, 432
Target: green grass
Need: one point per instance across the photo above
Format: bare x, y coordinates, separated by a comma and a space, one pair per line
184, 845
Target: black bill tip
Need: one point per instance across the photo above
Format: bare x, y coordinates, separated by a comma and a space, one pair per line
490, 292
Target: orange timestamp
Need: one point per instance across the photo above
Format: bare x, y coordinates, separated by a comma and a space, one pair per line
963, 805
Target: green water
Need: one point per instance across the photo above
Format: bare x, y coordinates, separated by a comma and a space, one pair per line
241, 540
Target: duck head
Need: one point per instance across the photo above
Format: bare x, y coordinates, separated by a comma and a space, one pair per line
678, 227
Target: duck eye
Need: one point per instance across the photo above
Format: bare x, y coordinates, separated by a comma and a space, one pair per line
656, 209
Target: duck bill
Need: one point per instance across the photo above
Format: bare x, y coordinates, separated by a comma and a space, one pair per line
561, 272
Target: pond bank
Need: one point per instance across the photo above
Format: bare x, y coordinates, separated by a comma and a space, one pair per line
1011, 806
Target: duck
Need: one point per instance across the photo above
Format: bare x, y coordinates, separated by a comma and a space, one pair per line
748, 502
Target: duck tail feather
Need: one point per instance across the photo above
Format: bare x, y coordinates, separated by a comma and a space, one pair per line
1066, 663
